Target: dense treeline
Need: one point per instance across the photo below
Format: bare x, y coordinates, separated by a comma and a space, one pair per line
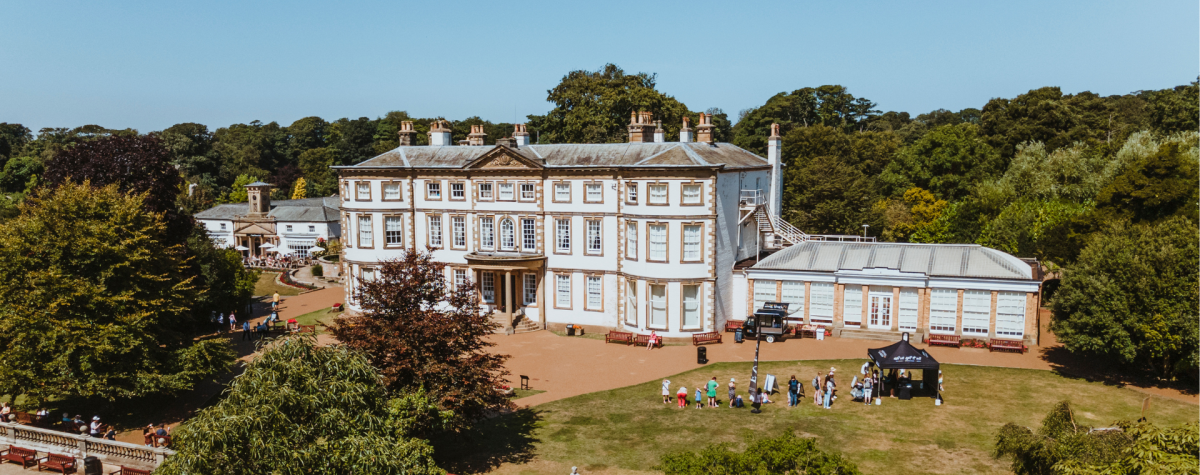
1045, 175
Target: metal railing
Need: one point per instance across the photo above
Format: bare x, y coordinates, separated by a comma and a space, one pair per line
752, 198
81, 446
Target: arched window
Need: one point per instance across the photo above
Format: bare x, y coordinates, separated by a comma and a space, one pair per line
506, 235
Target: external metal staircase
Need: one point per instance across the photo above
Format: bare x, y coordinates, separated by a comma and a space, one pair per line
778, 233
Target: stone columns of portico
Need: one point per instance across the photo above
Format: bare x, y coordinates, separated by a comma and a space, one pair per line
508, 291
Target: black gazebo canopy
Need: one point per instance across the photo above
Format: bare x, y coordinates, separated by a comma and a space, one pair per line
902, 355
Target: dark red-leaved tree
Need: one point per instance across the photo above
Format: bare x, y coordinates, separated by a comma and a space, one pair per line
421, 332
136, 164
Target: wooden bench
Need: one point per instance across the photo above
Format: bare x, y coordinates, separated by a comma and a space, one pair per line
308, 329
732, 325
618, 337
996, 344
944, 340
643, 340
702, 338
58, 463
130, 471
26, 457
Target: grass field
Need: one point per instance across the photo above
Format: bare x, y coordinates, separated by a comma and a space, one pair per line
266, 286
630, 428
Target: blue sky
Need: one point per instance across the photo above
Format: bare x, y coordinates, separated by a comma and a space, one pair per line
148, 65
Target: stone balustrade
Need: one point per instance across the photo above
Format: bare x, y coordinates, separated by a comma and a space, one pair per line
81, 446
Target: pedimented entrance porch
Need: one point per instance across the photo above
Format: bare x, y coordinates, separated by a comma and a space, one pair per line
510, 287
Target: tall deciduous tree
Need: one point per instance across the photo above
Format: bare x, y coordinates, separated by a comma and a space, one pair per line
1132, 297
90, 295
594, 107
136, 164
421, 333
947, 161
300, 408
828, 105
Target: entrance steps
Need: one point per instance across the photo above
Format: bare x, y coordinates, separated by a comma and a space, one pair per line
523, 324
880, 335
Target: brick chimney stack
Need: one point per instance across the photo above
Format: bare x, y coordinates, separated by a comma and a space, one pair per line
408, 135
476, 136
641, 127
704, 132
685, 134
521, 135
659, 134
439, 133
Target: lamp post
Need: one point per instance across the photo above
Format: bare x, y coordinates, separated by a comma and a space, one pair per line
865, 226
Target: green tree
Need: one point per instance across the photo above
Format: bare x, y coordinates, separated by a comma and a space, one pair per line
1063, 447
1046, 115
238, 193
89, 299
918, 209
1158, 185
300, 408
320, 179
948, 161
13, 138
1132, 297
422, 333
594, 107
828, 105
1176, 110
829, 184
306, 134
783, 454
224, 282
17, 173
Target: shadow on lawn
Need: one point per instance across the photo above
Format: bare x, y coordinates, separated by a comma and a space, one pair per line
507, 438
1096, 369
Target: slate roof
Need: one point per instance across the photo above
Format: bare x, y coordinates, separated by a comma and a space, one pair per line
934, 260
304, 210
646, 154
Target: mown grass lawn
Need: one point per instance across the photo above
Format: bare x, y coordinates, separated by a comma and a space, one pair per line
630, 428
266, 285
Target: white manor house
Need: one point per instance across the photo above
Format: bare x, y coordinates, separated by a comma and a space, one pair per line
654, 235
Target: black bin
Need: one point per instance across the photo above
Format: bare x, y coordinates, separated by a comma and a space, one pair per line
737, 335
92, 466
570, 330
701, 355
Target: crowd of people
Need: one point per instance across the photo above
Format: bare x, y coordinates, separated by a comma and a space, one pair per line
74, 425
276, 262
864, 388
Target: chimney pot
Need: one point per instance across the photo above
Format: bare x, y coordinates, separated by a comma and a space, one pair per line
477, 135
704, 132
641, 127
520, 135
407, 134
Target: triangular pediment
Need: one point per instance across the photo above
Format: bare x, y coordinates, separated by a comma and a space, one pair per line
504, 158
255, 228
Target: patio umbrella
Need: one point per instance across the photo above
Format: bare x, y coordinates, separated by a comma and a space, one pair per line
242, 248
266, 244
316, 249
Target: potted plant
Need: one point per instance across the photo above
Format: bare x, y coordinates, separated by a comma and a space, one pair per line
505, 389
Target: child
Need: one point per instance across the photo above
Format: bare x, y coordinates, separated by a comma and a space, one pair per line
666, 391
699, 398
682, 395
816, 382
940, 381
867, 394
737, 402
732, 391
